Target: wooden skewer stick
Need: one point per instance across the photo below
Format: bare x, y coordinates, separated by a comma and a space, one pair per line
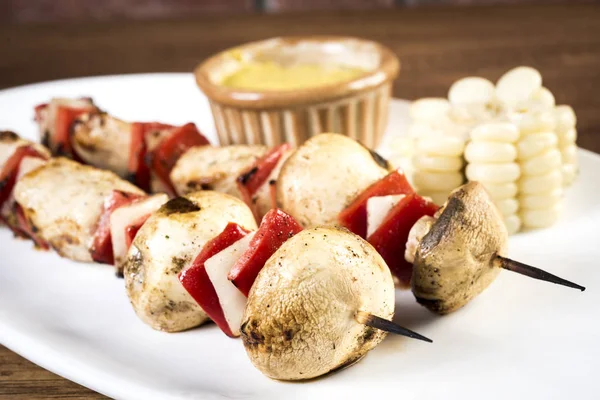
535, 273
387, 326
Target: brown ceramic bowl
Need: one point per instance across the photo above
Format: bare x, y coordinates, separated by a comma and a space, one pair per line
357, 107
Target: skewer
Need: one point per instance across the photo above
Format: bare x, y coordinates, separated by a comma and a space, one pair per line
535, 273
374, 321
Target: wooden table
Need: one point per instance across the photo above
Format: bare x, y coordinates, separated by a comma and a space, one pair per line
436, 47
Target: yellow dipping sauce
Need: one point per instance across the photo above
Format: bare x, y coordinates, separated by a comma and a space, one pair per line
273, 76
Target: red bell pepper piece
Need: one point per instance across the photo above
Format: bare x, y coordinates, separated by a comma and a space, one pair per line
8, 175
354, 217
251, 180
163, 158
391, 236
137, 168
275, 228
65, 116
26, 229
101, 250
132, 229
38, 112
195, 279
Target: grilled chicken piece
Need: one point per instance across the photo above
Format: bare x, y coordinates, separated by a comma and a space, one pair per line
10, 142
103, 141
46, 117
168, 242
63, 200
324, 175
214, 168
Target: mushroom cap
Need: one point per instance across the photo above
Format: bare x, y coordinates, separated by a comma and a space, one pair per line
324, 175
167, 243
456, 259
300, 319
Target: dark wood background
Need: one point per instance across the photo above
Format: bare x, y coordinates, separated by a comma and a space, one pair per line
89, 10
437, 45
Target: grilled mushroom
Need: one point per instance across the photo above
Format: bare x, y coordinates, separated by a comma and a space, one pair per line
463, 251
319, 304
168, 242
324, 175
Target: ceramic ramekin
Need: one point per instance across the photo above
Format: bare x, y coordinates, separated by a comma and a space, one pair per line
357, 108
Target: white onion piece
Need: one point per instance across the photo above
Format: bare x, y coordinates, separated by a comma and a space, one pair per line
232, 301
415, 235
378, 207
126, 215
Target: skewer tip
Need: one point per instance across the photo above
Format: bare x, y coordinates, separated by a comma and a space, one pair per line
374, 321
535, 273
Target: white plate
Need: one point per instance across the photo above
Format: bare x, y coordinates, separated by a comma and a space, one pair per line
519, 339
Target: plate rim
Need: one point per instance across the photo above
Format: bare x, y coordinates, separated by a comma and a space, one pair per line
33, 85
21, 342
